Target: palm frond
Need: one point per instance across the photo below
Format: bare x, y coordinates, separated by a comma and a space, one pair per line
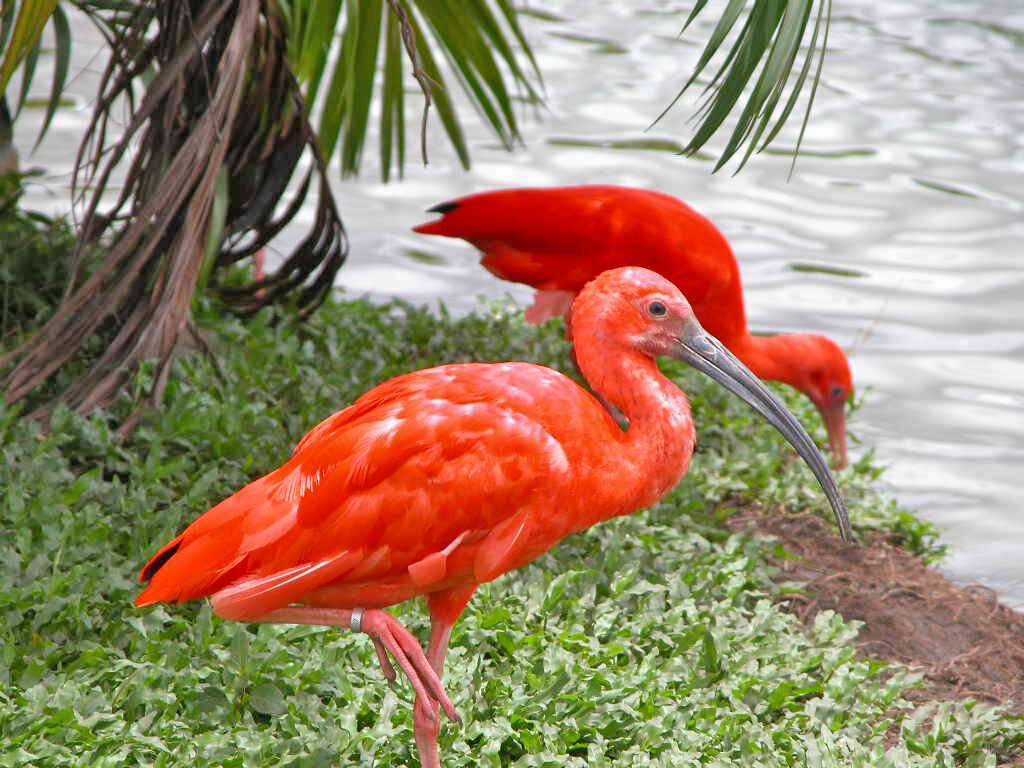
222, 110
770, 38
481, 40
21, 41
20, 33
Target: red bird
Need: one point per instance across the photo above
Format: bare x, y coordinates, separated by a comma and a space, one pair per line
442, 479
558, 238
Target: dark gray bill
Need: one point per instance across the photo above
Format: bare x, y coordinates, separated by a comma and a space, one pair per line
705, 353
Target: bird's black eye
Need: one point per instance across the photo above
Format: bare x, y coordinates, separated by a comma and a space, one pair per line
657, 309
838, 393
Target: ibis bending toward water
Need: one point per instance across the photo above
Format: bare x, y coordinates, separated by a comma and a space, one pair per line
556, 239
437, 481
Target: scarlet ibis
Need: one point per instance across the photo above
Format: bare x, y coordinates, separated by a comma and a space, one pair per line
442, 479
556, 239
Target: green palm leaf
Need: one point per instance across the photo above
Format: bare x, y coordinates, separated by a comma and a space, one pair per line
770, 39
21, 31
363, 42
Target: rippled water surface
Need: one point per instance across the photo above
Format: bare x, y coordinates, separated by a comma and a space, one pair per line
899, 234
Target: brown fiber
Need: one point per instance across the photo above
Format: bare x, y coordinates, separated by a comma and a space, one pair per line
963, 639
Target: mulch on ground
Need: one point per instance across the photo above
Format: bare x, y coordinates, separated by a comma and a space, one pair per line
967, 644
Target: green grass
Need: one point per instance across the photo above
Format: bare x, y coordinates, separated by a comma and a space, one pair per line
32, 271
648, 640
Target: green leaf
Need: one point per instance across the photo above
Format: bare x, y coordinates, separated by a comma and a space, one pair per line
62, 60
28, 73
769, 39
441, 101
215, 230
470, 56
267, 699
392, 113
315, 46
558, 587
690, 638
481, 40
336, 104
28, 28
212, 699
709, 656
363, 68
6, 22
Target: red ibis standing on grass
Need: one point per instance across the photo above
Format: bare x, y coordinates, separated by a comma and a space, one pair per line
558, 238
442, 479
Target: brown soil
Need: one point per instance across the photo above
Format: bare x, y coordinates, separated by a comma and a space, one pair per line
965, 642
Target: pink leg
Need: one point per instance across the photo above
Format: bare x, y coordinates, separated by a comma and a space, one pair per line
444, 608
426, 723
387, 633
258, 270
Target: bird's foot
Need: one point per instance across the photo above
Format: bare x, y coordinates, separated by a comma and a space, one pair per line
426, 727
389, 636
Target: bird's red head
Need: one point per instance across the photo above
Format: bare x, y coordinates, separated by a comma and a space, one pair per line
817, 366
634, 307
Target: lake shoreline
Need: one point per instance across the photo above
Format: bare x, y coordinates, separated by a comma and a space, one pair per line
964, 641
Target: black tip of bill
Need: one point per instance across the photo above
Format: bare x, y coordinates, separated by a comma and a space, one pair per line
704, 352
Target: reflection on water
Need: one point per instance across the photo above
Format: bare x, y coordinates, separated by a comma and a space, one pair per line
899, 234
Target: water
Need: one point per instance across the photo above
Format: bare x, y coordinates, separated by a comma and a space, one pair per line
898, 234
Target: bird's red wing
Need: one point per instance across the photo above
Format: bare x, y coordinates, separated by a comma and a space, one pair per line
460, 457
381, 487
215, 548
544, 237
212, 550
390, 391
559, 238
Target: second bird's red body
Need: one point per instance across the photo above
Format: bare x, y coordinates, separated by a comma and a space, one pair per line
560, 238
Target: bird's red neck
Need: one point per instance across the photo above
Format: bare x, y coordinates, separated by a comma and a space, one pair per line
651, 456
766, 356
785, 357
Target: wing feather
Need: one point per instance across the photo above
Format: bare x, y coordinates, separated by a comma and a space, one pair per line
383, 485
560, 238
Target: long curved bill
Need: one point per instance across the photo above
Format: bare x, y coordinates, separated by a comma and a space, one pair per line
705, 353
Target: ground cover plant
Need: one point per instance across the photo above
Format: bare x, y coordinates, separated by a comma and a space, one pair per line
648, 640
